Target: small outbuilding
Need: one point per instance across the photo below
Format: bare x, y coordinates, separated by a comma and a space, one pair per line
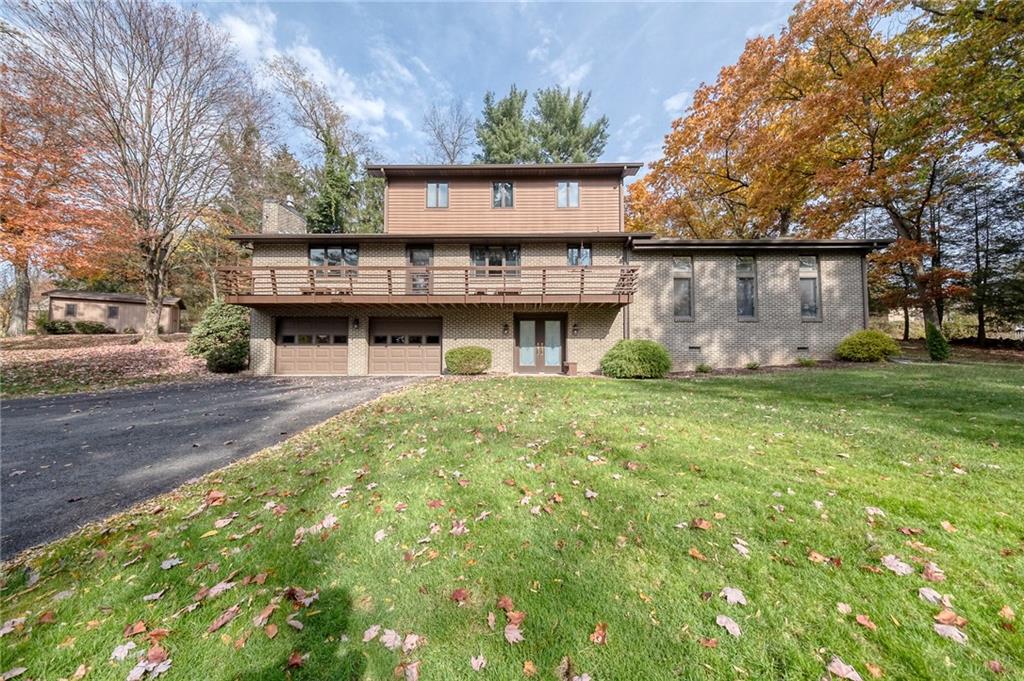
119, 311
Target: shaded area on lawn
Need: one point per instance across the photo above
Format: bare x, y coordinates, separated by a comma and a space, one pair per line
788, 463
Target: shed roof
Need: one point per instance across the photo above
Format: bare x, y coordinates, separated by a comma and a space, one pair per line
103, 296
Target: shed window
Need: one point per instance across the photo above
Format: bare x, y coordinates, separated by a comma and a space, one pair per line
746, 287
501, 194
112, 311
70, 310
810, 288
437, 195
568, 194
682, 287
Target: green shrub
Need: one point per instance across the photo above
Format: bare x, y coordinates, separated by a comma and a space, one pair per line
753, 366
92, 328
807, 362
222, 324
468, 361
636, 359
58, 327
40, 322
129, 329
867, 346
228, 358
704, 368
938, 346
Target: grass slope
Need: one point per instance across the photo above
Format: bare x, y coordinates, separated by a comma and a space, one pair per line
752, 455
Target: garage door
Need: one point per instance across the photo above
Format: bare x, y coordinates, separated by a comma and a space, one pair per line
307, 345
405, 346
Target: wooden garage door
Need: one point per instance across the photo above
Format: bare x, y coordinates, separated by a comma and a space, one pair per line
405, 346
309, 345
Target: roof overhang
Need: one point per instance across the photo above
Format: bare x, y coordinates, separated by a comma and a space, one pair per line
104, 297
646, 243
478, 238
493, 170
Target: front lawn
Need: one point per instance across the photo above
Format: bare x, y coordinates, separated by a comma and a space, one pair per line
74, 363
597, 520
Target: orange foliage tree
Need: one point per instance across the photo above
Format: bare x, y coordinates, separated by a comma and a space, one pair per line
807, 131
47, 216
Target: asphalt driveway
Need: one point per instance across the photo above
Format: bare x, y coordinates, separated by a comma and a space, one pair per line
67, 460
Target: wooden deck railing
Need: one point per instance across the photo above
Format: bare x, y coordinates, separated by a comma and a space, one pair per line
534, 284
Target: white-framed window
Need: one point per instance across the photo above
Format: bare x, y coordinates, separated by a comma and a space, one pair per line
579, 255
810, 288
437, 195
746, 288
568, 194
501, 194
682, 287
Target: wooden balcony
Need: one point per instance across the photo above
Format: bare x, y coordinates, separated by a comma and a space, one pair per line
504, 286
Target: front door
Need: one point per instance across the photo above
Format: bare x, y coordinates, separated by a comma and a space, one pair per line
420, 260
540, 345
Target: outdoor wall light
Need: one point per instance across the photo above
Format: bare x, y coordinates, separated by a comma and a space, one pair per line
575, 328
504, 329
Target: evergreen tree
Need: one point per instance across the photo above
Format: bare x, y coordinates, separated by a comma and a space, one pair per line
504, 133
559, 130
335, 205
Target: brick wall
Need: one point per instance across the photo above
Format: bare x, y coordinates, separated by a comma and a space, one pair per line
722, 339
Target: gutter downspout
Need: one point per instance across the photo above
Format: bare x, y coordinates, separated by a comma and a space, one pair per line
625, 311
864, 287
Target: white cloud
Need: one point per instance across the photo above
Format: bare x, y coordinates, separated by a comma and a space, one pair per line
769, 27
678, 102
252, 32
568, 73
568, 69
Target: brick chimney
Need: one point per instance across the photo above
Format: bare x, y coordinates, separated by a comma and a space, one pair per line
282, 218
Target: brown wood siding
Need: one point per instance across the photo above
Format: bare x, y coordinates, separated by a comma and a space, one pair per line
129, 315
535, 209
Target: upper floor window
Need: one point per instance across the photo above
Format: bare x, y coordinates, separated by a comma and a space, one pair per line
327, 256
112, 311
746, 287
810, 287
70, 310
580, 255
568, 194
494, 256
501, 194
437, 195
682, 287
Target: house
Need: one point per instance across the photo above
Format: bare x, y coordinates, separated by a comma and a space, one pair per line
532, 262
119, 311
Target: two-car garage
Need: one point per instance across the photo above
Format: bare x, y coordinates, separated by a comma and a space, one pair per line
320, 346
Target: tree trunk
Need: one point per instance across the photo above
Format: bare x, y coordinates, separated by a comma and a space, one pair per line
18, 323
906, 323
904, 230
154, 285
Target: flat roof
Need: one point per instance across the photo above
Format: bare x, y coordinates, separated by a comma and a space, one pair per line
477, 237
504, 170
105, 297
647, 243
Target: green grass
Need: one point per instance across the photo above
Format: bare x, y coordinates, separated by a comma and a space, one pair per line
725, 449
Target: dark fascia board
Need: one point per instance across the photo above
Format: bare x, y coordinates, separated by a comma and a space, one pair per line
103, 297
512, 237
859, 245
505, 170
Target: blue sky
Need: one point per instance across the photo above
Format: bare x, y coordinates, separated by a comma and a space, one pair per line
386, 63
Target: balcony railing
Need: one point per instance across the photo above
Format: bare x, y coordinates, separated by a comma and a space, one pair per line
429, 285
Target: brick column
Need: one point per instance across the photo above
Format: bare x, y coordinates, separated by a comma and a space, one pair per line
358, 345
261, 343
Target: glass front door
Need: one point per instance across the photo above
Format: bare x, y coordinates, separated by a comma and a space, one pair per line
540, 345
420, 259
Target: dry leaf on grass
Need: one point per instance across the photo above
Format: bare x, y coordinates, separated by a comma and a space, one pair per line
841, 670
950, 632
728, 624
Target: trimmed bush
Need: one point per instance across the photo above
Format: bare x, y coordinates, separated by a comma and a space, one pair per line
867, 346
704, 368
91, 328
807, 362
129, 329
636, 359
938, 346
228, 358
58, 327
468, 361
222, 324
753, 366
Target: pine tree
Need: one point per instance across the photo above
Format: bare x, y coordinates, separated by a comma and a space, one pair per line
559, 129
504, 133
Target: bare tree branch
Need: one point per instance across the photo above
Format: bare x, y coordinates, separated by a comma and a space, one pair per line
449, 131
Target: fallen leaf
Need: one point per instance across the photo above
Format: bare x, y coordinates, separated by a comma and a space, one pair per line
513, 634
948, 526
841, 670
950, 632
874, 670
505, 603
155, 596
264, 615
460, 596
270, 630
700, 524
391, 639
170, 562
932, 596
733, 596
121, 652
728, 624
478, 662
13, 673
135, 629
379, 536
590, 494
933, 573
490, 620
896, 565
222, 619
995, 666
600, 634
708, 642
80, 673
295, 659
816, 557
844, 608
865, 621
410, 670
947, 616
696, 554
411, 642
371, 633
1006, 613
529, 668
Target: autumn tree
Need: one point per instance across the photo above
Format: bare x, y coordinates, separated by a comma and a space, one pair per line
344, 198
158, 87
48, 216
449, 131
